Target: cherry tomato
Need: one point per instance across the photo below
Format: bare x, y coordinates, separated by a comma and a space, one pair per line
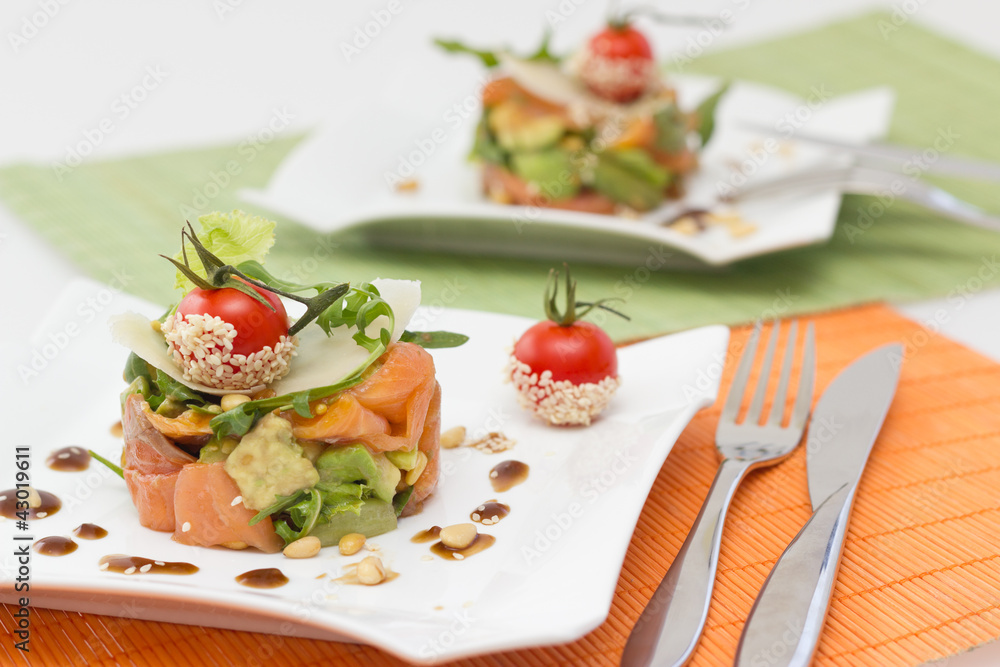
580, 353
256, 325
618, 63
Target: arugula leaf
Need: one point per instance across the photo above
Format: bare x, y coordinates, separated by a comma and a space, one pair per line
400, 499
239, 420
136, 367
255, 270
488, 58
671, 129
485, 146
433, 340
491, 59
280, 504
706, 113
232, 237
115, 469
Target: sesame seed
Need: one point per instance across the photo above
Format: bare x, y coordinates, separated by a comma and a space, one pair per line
160, 563
63, 456
487, 522
3, 498
186, 527
427, 558
236, 501
202, 347
475, 516
130, 570
494, 474
458, 556
560, 402
42, 515
105, 566
75, 450
146, 568
481, 508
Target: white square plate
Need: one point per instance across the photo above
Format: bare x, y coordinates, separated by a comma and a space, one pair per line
336, 180
549, 578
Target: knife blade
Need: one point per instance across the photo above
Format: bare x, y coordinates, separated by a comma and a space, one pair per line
787, 617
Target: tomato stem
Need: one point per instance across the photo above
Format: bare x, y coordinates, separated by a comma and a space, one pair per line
571, 314
220, 275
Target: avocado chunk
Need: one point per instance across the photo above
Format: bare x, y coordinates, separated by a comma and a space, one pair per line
375, 517
350, 464
630, 177
268, 463
550, 170
519, 129
403, 460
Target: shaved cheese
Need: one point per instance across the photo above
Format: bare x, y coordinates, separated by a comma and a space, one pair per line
326, 360
320, 360
134, 332
552, 84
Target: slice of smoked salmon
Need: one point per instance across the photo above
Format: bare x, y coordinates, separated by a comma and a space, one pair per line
206, 516
189, 427
153, 497
147, 450
398, 392
430, 444
345, 419
150, 466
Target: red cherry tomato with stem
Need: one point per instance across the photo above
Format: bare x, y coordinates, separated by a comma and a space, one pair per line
257, 326
580, 353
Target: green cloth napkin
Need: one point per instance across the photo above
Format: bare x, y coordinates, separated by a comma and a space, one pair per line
112, 218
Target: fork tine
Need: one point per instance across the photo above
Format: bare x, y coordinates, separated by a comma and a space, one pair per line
806, 381
778, 406
735, 398
753, 414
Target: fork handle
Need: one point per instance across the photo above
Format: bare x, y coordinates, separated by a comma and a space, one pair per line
667, 632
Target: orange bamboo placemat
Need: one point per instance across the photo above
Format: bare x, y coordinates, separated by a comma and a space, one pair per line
920, 577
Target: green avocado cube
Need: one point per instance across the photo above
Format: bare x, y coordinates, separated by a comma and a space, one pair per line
347, 464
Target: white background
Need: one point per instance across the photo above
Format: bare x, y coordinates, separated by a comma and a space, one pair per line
227, 66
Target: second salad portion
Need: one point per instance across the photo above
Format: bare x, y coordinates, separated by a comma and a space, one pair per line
245, 428
600, 131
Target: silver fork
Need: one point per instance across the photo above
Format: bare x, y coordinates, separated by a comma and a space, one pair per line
670, 625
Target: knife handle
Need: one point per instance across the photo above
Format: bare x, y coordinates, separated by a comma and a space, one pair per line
787, 618
668, 630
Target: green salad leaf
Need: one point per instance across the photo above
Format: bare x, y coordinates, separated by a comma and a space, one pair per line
706, 113
232, 237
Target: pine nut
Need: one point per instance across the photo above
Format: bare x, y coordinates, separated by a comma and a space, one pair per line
453, 437
230, 401
351, 544
459, 535
304, 547
236, 546
371, 571
418, 469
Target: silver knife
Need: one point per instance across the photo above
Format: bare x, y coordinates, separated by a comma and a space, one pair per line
901, 158
787, 618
